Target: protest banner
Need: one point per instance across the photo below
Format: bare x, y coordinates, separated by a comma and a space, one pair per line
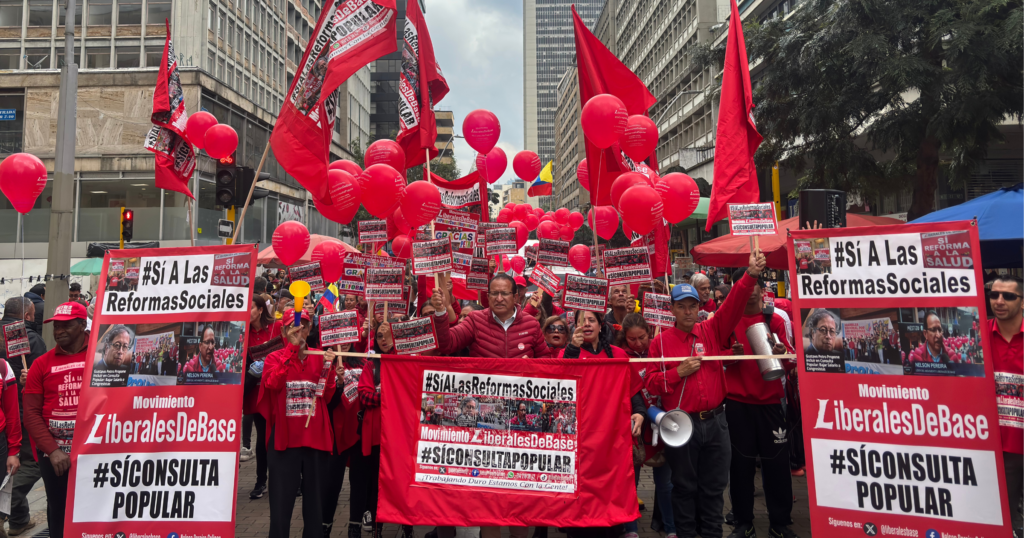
310, 273
887, 349
351, 282
517, 442
339, 328
531, 252
384, 283
414, 336
156, 450
501, 241
462, 262
16, 340
373, 231
478, 276
457, 219
481, 236
752, 219
631, 265
545, 279
657, 310
430, 257
585, 293
372, 260
552, 252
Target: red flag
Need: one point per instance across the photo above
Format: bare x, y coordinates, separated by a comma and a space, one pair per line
737, 139
175, 156
543, 189
349, 35
418, 130
600, 72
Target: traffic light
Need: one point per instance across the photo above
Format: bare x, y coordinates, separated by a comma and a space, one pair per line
246, 177
227, 181
127, 225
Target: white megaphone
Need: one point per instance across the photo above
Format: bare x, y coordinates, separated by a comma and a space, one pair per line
675, 427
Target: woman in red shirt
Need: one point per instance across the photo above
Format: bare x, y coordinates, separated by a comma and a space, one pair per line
264, 338
589, 339
300, 437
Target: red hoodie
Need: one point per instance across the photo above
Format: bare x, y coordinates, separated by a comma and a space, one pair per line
286, 396
743, 378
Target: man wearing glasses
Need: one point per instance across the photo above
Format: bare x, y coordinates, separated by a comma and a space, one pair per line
470, 413
933, 338
1007, 341
115, 350
205, 361
824, 334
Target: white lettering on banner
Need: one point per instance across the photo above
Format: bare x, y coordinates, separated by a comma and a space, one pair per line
159, 486
922, 481
500, 386
166, 428
891, 266
459, 198
175, 285
916, 420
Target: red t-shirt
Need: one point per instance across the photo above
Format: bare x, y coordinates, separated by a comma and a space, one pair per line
743, 378
287, 394
256, 338
58, 378
1008, 363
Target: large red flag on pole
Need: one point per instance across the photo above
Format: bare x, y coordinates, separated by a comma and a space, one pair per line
349, 35
736, 139
601, 72
418, 130
175, 156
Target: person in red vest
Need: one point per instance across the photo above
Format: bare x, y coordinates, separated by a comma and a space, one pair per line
51, 406
1007, 299
296, 453
700, 468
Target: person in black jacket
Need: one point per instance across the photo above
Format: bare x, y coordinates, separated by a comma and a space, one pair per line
37, 294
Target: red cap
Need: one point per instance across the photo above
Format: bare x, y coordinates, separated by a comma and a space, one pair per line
69, 311
520, 281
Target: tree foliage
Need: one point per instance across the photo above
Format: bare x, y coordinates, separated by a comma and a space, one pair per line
877, 96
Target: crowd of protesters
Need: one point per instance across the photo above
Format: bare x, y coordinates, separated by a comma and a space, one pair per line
737, 416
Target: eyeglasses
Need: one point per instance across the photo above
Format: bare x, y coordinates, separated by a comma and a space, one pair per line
1007, 295
556, 329
825, 331
209, 342
502, 294
120, 347
934, 330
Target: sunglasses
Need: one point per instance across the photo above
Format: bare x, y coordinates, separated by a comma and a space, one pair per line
1007, 295
556, 329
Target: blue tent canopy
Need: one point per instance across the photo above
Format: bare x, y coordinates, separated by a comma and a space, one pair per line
1000, 225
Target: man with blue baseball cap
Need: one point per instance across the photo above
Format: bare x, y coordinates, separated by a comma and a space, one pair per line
700, 468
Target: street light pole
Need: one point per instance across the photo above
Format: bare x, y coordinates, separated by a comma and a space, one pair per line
58, 256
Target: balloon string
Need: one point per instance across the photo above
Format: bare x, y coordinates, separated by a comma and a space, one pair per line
597, 189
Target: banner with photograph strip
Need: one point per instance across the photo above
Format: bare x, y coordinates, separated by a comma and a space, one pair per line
891, 334
311, 273
543, 442
155, 441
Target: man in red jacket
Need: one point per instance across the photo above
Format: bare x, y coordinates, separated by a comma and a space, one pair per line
502, 330
700, 468
1007, 339
757, 427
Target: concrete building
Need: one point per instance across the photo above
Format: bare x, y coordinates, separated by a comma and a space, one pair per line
384, 77
548, 51
569, 147
445, 142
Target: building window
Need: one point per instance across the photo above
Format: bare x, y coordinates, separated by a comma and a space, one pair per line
35, 224
158, 11
10, 13
154, 56
10, 59
127, 57
129, 12
60, 56
63, 15
97, 58
37, 58
100, 205
220, 68
40, 12
11, 129
99, 13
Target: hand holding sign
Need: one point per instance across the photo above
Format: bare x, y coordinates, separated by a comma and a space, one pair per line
577, 337
437, 300
757, 263
299, 289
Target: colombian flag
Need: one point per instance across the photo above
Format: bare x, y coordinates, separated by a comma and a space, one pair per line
330, 298
542, 185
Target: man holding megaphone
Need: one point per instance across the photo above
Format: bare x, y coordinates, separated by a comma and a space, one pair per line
700, 468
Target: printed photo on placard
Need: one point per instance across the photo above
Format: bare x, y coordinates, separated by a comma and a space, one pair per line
478, 277
585, 293
553, 253
339, 328
373, 231
123, 274
496, 413
545, 279
481, 236
813, 256
414, 336
136, 355
430, 257
16, 340
627, 265
531, 252
458, 219
501, 241
310, 273
384, 283
214, 356
752, 219
657, 310
941, 342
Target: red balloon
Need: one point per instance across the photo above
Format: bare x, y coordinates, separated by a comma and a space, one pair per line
331, 256
642, 208
526, 165
505, 264
562, 216
607, 221
579, 258
491, 165
397, 219
22, 180
522, 234
604, 120
518, 264
547, 230
510, 206
520, 211
221, 141
680, 195
623, 182
402, 246
531, 221
565, 233
290, 241
627, 231
481, 129
547, 218
504, 216
382, 188
346, 166
344, 193
640, 137
196, 127
576, 220
538, 212
421, 203
583, 175
385, 152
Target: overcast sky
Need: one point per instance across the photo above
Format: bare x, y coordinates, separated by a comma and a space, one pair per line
479, 44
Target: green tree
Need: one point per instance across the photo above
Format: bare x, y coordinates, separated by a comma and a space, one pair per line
877, 96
